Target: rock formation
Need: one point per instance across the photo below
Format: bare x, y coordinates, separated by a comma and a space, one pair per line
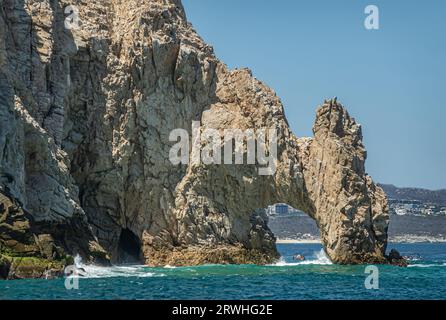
85, 118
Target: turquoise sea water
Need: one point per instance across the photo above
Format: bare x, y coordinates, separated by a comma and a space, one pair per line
315, 278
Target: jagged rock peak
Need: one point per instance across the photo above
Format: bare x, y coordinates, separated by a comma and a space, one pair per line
333, 117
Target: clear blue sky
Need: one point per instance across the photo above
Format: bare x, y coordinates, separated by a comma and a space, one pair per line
392, 80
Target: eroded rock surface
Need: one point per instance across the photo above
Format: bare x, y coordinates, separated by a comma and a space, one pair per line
85, 118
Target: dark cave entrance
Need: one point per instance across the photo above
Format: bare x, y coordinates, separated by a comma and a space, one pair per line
129, 248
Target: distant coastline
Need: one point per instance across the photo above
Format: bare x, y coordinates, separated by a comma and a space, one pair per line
397, 239
417, 239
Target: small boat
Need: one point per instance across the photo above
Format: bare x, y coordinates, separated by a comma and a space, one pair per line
299, 257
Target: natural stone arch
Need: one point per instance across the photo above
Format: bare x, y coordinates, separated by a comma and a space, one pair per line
217, 206
137, 70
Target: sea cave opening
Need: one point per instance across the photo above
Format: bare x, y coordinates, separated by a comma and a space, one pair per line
129, 248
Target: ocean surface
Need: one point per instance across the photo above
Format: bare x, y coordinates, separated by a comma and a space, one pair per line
315, 278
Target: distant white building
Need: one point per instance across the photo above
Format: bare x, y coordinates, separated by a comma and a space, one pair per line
281, 209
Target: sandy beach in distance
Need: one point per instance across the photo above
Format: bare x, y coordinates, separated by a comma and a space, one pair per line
287, 241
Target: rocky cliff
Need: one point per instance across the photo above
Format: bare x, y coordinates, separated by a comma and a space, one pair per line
85, 118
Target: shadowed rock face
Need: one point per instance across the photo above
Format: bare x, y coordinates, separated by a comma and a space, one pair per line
85, 118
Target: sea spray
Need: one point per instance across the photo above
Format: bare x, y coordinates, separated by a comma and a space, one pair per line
78, 261
318, 258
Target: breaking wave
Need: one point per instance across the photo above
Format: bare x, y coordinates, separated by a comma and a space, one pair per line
430, 265
318, 258
92, 271
119, 271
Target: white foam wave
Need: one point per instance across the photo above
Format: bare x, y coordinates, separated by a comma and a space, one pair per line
318, 258
92, 271
426, 265
119, 271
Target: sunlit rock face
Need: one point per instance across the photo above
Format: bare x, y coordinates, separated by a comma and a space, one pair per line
85, 119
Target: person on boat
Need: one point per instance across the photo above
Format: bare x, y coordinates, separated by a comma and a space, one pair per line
299, 257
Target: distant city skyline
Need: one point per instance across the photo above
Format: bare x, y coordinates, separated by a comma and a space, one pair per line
391, 80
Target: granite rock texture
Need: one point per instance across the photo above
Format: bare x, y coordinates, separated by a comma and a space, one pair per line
85, 119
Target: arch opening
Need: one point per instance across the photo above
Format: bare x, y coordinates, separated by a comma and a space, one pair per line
290, 224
